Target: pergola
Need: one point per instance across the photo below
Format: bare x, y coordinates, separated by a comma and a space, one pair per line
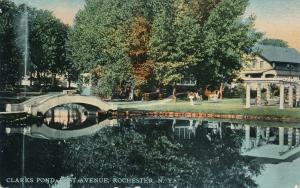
291, 83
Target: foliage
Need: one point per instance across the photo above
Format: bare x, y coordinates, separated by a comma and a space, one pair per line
10, 60
138, 52
100, 41
147, 150
165, 40
274, 42
125, 153
163, 48
47, 40
226, 38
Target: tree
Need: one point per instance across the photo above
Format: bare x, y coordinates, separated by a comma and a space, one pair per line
168, 68
138, 52
47, 40
202, 8
165, 40
225, 39
10, 59
100, 41
274, 42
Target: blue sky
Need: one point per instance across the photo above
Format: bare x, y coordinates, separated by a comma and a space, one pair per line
276, 18
63, 9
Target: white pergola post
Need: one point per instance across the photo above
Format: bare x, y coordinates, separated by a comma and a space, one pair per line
258, 97
291, 101
290, 137
247, 137
248, 97
281, 103
297, 95
281, 136
258, 134
267, 133
297, 137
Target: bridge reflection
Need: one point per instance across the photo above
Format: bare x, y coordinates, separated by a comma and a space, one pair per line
66, 116
260, 140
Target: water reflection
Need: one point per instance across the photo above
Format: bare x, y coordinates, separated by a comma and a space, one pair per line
271, 142
66, 115
180, 152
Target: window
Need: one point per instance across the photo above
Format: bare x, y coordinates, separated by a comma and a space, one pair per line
254, 63
261, 64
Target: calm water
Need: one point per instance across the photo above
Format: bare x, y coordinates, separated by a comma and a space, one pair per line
72, 147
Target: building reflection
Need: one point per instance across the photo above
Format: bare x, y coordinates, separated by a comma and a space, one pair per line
185, 129
271, 142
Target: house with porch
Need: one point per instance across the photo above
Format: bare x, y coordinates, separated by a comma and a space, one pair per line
273, 65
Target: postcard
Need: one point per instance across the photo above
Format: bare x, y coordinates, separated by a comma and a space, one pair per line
149, 93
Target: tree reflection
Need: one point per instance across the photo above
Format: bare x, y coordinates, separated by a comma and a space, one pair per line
219, 158
136, 150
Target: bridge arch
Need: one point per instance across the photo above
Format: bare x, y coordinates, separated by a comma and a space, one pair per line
46, 104
46, 132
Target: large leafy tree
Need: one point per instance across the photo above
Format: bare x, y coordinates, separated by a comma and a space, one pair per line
225, 39
99, 42
166, 40
47, 40
10, 71
168, 66
138, 52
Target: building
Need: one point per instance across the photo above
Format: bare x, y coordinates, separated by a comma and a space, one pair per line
273, 66
273, 62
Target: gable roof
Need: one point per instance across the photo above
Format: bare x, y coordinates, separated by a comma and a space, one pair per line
278, 54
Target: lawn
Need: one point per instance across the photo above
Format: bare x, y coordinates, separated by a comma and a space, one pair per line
226, 106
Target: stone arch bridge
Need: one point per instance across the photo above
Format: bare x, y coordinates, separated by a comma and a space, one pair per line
43, 103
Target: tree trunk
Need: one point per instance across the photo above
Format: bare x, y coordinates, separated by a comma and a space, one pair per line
38, 76
174, 94
221, 91
69, 82
53, 79
30, 79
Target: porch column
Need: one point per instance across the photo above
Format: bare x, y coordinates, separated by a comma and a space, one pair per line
291, 96
281, 96
258, 91
297, 95
281, 136
248, 97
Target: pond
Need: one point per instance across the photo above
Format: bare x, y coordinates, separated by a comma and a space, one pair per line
73, 147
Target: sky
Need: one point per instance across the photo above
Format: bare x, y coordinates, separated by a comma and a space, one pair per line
276, 18
63, 9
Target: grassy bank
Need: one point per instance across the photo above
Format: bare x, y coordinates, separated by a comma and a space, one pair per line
226, 106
